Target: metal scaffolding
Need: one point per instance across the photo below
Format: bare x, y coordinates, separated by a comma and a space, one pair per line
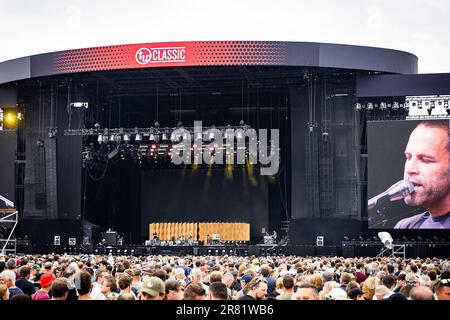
8, 217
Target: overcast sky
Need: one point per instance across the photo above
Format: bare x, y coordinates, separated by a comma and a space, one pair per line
417, 26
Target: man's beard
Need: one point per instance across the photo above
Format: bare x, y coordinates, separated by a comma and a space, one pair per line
429, 196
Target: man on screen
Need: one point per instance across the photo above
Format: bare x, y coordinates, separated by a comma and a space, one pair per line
427, 166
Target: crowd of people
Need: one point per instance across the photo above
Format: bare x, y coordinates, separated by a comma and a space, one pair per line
107, 277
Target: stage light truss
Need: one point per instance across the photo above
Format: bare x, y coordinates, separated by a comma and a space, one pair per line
428, 106
155, 134
157, 144
383, 106
418, 107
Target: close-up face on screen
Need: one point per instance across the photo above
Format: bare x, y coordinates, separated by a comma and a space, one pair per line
408, 174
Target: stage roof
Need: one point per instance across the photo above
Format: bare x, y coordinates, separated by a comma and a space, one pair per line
209, 53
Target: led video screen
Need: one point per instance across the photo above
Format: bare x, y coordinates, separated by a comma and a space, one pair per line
408, 174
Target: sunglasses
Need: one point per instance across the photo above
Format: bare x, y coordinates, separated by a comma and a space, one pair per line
259, 281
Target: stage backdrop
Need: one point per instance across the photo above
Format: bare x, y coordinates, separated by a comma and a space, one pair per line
204, 196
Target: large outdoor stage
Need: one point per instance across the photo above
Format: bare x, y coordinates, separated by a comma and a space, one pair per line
273, 136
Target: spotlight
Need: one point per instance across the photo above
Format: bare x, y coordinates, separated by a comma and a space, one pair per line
370, 106
439, 109
138, 137
100, 138
126, 137
11, 119
358, 107
418, 109
386, 238
383, 106
152, 137
395, 106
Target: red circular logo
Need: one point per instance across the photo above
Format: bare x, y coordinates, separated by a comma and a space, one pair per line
143, 56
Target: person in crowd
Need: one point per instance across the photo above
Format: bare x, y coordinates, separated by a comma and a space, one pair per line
442, 289
4, 292
85, 286
153, 288
109, 288
217, 291
228, 281
46, 283
96, 292
24, 282
9, 277
194, 291
356, 294
137, 281
124, 282
127, 296
306, 292
421, 293
288, 288
173, 290
256, 289
60, 289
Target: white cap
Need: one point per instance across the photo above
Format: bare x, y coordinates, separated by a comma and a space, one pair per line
337, 294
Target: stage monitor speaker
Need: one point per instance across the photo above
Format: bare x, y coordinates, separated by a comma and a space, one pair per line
86, 240
111, 237
319, 241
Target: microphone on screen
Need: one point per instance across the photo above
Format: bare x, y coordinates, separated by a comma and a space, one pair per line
395, 192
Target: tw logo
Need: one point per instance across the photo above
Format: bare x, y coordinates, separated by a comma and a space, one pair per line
143, 56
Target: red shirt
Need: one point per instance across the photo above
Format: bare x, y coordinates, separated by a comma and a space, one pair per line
40, 295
